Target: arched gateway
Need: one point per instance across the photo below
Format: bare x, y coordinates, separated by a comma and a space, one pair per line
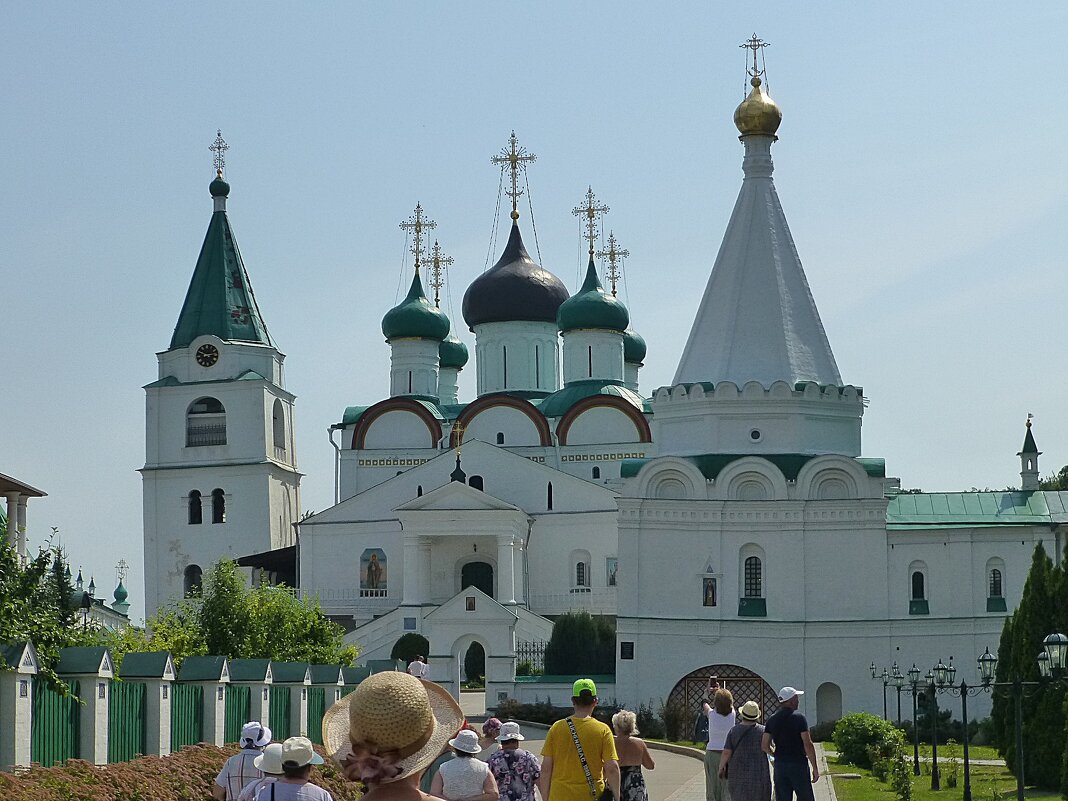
692, 689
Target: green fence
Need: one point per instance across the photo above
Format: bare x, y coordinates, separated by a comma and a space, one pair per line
316, 710
238, 709
187, 715
126, 721
279, 712
56, 718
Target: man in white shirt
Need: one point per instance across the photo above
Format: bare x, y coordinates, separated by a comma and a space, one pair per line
418, 667
239, 769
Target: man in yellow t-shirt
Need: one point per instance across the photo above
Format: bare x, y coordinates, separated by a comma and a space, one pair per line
562, 775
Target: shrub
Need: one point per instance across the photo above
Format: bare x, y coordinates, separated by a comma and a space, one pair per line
864, 739
649, 723
475, 663
581, 645
823, 731
676, 719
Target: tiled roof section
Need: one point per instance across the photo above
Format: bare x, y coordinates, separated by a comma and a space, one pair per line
73, 661
255, 670
325, 674
289, 672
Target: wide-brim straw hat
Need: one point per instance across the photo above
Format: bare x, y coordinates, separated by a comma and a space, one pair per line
394, 712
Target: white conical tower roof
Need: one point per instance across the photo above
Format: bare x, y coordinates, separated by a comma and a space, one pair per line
757, 320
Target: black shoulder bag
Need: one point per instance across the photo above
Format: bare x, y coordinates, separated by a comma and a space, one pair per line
607, 794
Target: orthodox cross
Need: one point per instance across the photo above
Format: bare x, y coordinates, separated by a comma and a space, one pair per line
458, 430
614, 254
123, 569
756, 45
438, 264
219, 148
417, 224
516, 158
592, 212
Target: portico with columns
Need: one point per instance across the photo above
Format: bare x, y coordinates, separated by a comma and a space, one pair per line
17, 494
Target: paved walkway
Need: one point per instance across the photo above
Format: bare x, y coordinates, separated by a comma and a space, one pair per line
677, 777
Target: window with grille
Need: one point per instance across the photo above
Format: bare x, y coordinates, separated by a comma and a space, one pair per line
752, 585
995, 584
581, 575
919, 592
205, 423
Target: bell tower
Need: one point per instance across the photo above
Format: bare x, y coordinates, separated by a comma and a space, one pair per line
220, 477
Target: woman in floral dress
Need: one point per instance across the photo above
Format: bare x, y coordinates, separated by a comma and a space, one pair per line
515, 769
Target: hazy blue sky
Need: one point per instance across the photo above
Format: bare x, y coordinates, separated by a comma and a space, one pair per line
920, 164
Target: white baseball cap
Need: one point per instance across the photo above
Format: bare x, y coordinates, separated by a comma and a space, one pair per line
786, 693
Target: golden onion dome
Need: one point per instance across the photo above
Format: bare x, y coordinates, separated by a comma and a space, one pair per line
758, 113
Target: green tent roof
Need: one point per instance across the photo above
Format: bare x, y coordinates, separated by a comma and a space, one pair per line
220, 300
557, 404
926, 509
249, 669
146, 665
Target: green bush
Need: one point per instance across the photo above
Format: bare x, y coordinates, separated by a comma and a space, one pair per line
475, 663
822, 731
649, 723
676, 719
864, 740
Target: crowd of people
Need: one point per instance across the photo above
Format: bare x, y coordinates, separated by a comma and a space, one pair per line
405, 739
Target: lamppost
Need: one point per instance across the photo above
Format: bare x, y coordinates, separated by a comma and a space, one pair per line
896, 679
936, 782
945, 684
885, 676
1052, 663
85, 606
914, 688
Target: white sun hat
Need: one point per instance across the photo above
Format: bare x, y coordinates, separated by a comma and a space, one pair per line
510, 731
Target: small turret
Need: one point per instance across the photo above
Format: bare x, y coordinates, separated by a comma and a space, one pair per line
1029, 454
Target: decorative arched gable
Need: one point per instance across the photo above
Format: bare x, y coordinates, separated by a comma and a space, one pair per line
739, 479
641, 425
659, 476
472, 410
824, 477
367, 419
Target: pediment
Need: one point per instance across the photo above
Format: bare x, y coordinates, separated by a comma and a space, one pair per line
454, 496
486, 609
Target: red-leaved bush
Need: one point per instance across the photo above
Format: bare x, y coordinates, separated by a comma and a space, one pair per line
185, 776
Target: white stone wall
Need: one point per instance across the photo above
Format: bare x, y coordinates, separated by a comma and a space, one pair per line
413, 367
399, 429
602, 425
593, 354
533, 357
518, 429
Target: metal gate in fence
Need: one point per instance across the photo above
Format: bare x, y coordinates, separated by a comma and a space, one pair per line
533, 653
238, 709
187, 715
279, 712
126, 721
56, 718
316, 710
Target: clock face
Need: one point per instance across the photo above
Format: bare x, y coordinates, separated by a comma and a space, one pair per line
207, 355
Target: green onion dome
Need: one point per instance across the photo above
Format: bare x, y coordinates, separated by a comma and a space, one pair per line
219, 187
415, 317
120, 594
592, 307
633, 347
452, 353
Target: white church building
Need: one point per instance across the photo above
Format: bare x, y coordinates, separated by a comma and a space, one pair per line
728, 523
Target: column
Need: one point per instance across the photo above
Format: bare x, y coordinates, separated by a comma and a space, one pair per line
214, 727
12, 518
413, 571
424, 568
260, 701
93, 738
505, 569
22, 527
158, 717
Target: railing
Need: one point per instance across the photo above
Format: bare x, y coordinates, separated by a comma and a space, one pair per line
593, 599
197, 436
532, 651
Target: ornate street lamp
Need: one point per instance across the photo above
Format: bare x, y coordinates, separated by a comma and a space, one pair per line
914, 684
987, 663
1045, 670
1056, 648
932, 678
897, 681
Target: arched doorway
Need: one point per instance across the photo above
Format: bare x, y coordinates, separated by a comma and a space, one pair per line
479, 575
692, 689
828, 702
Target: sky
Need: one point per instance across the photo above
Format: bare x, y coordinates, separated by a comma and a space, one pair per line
919, 163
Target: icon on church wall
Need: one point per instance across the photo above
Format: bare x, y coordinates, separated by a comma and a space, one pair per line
373, 569
470, 603
709, 592
611, 567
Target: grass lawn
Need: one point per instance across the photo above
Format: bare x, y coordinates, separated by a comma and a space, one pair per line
974, 751
985, 780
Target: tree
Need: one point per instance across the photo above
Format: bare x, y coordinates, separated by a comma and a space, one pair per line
229, 619
475, 662
580, 644
409, 646
1056, 481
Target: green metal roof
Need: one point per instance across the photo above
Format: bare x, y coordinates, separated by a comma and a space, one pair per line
202, 668
354, 675
557, 404
634, 347
452, 353
325, 674
876, 468
249, 669
88, 659
415, 317
289, 672
592, 307
353, 414
147, 665
11, 653
220, 300
909, 510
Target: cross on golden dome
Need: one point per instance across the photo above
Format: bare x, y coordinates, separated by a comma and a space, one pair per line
417, 224
592, 212
438, 264
614, 254
755, 44
516, 158
219, 148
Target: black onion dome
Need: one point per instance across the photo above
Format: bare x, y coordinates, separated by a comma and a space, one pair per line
515, 288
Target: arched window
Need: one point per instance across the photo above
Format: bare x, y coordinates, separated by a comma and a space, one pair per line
581, 578
500, 437
205, 423
419, 491
549, 496
475, 482
192, 580
918, 590
996, 590
918, 602
278, 420
196, 513
218, 506
753, 579
995, 585
596, 472
580, 571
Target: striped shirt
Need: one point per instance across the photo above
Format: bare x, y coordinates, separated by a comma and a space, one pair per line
237, 772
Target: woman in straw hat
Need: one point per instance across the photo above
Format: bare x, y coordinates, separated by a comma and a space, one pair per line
388, 730
743, 763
